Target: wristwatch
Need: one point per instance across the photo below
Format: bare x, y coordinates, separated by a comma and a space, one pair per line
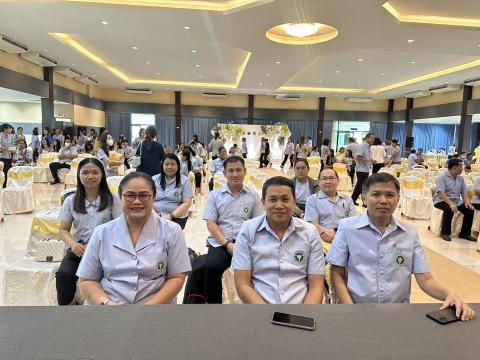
105, 302
226, 244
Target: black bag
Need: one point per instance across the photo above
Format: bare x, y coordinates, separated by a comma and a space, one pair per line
195, 288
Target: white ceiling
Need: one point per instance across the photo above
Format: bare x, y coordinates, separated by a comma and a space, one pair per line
222, 41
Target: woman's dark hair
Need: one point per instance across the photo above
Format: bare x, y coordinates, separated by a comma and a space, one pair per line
377, 141
103, 143
326, 142
301, 142
186, 153
163, 177
216, 135
35, 131
278, 181
106, 197
135, 175
348, 153
140, 131
5, 126
150, 134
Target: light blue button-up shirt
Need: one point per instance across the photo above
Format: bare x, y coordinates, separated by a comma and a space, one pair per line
128, 274
411, 160
231, 212
217, 166
172, 197
321, 208
84, 224
363, 150
184, 168
452, 187
279, 268
378, 267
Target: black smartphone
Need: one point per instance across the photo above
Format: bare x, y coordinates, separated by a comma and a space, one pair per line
296, 321
444, 316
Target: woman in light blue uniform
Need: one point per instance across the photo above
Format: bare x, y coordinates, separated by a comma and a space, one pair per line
186, 162
90, 206
138, 258
106, 142
174, 192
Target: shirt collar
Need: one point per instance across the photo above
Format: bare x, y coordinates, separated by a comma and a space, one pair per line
147, 237
322, 195
364, 220
225, 188
294, 224
96, 203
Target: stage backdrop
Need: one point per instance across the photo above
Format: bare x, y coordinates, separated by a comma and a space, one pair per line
277, 136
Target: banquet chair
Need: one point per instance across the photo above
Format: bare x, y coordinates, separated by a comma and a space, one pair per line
113, 183
416, 198
345, 183
18, 196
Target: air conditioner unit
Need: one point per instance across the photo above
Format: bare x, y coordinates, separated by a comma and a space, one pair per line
472, 82
37, 58
214, 94
358, 99
444, 88
11, 46
418, 93
86, 80
66, 71
287, 97
138, 91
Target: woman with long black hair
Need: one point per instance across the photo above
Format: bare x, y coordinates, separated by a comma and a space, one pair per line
90, 206
106, 144
174, 193
151, 153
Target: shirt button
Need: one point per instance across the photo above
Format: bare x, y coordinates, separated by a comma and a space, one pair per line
134, 257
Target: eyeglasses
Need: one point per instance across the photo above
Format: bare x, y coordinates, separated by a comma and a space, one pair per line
131, 197
327, 179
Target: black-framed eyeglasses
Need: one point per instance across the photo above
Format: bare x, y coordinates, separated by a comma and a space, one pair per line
131, 197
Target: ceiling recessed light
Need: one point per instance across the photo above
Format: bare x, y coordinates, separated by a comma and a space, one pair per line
200, 76
105, 22
478, 45
411, 40
157, 73
382, 74
412, 62
337, 71
278, 62
197, 65
267, 74
186, 27
148, 62
359, 82
260, 84
301, 29
194, 51
134, 48
359, 59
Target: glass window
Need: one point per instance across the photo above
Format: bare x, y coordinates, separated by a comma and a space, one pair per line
140, 121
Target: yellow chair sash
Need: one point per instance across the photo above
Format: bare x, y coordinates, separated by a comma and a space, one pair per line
46, 227
414, 185
20, 175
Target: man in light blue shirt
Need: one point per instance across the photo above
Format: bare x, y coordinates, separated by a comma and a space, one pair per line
217, 165
451, 195
364, 165
226, 210
379, 254
278, 258
412, 158
325, 208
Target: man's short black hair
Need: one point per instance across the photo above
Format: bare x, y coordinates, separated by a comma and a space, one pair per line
233, 159
379, 178
278, 181
302, 160
454, 162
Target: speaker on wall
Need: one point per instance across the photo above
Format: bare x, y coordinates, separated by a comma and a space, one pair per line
409, 142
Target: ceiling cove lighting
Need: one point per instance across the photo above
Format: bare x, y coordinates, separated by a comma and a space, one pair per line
68, 40
301, 29
225, 6
430, 19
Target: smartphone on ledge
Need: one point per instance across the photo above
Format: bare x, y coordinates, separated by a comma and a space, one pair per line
296, 321
444, 316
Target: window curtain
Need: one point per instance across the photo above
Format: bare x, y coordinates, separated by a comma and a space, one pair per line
379, 129
327, 132
119, 123
165, 130
427, 136
202, 126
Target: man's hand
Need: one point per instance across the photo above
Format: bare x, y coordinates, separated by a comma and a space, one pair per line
470, 206
454, 208
230, 248
461, 308
328, 235
78, 249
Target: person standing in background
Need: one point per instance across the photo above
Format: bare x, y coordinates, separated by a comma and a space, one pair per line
7, 148
289, 152
378, 154
18, 135
139, 138
35, 144
244, 148
215, 144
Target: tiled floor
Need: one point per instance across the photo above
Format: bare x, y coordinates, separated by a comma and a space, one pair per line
456, 264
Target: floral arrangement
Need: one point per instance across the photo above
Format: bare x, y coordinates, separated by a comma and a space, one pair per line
277, 131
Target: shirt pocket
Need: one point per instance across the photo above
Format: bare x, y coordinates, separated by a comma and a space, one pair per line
401, 260
156, 266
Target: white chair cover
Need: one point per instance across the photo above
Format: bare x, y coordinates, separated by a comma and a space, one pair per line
45, 225
345, 183
229, 292
113, 183
416, 199
30, 283
42, 174
436, 222
18, 195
